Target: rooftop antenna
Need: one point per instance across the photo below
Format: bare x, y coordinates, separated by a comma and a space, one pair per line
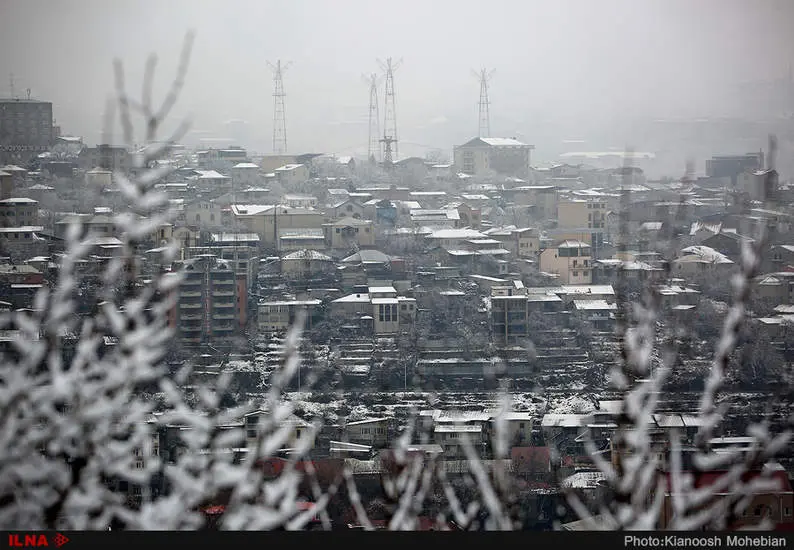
279, 114
484, 76
389, 139
373, 152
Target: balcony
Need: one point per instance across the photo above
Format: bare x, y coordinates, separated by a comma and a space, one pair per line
221, 316
192, 281
190, 305
191, 317
224, 305
223, 292
195, 328
190, 293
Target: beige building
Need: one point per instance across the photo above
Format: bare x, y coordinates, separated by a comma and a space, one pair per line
482, 156
350, 232
270, 221
570, 260
582, 219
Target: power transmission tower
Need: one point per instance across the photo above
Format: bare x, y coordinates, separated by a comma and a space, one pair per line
373, 153
484, 113
279, 114
389, 139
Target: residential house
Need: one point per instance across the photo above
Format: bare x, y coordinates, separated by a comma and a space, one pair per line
347, 208
305, 264
349, 233
373, 432
291, 175
203, 213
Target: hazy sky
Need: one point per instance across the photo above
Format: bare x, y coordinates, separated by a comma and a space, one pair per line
563, 68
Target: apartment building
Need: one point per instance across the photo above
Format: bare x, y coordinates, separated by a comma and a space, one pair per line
106, 157
269, 221
26, 129
570, 260
207, 308
280, 315
584, 218
244, 261
17, 212
481, 156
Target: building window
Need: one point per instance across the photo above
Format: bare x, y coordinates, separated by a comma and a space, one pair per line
787, 511
575, 273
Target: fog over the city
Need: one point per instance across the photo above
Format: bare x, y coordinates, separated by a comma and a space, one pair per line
564, 70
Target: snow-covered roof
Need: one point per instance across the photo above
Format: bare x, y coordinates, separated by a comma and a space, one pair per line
19, 200
246, 165
594, 305
706, 254
307, 255
501, 142
456, 234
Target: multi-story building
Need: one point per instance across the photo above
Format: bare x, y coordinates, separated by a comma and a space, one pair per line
730, 166
570, 260
269, 221
208, 308
26, 129
350, 233
481, 156
244, 260
18, 212
290, 175
280, 315
583, 216
106, 157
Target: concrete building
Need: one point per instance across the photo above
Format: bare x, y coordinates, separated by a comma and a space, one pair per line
292, 174
203, 214
208, 309
244, 260
18, 212
26, 129
482, 156
570, 260
245, 174
348, 233
107, 157
279, 315
388, 312
582, 219
728, 167
270, 221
